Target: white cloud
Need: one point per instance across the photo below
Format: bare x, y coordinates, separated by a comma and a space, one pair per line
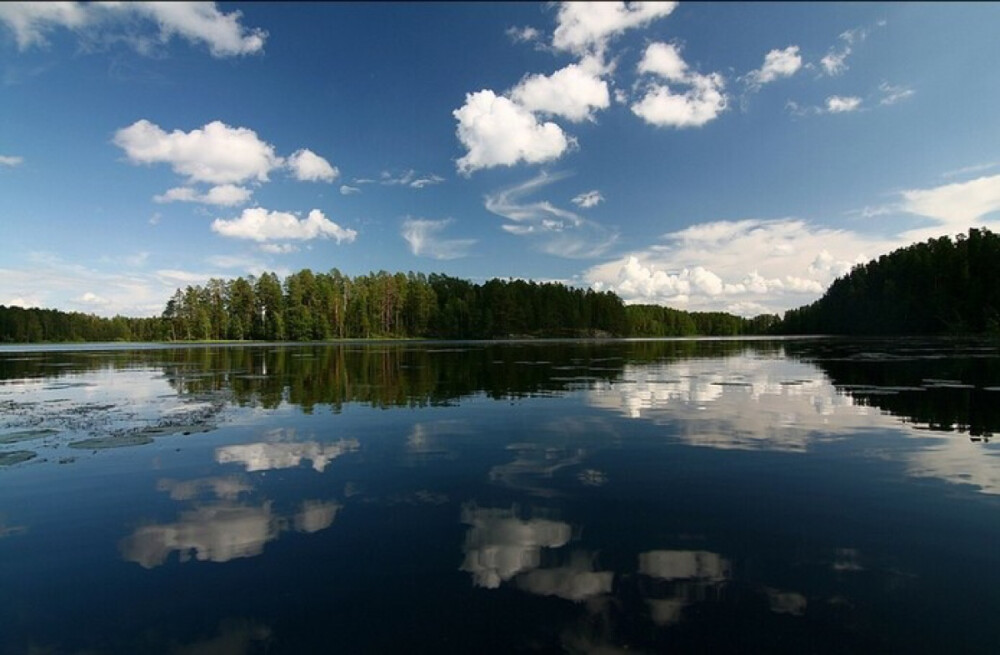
11, 160
234, 261
587, 27
197, 22
835, 61
777, 64
226, 195
957, 206
31, 20
842, 104
498, 132
422, 235
747, 266
47, 281
975, 168
892, 94
215, 153
278, 248
560, 231
524, 34
90, 298
262, 225
573, 92
588, 199
307, 166
346, 190
664, 59
19, 301
702, 102
202, 22
408, 178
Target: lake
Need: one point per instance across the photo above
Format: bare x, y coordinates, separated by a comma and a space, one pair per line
773, 496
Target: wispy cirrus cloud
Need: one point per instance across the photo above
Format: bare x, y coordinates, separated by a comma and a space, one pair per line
557, 231
11, 160
424, 238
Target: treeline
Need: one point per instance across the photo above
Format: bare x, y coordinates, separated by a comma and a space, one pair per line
941, 286
33, 325
309, 306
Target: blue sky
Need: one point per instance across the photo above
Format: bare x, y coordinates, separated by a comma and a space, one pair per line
731, 157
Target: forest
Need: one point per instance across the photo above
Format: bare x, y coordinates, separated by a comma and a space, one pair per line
308, 306
941, 286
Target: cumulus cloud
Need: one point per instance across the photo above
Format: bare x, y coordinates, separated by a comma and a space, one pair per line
262, 225
226, 195
559, 231
347, 190
573, 92
307, 166
90, 298
777, 64
588, 199
702, 101
45, 280
498, 132
424, 240
842, 104
742, 266
664, 59
587, 27
11, 160
200, 23
215, 153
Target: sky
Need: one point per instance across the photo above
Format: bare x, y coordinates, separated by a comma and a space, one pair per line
733, 156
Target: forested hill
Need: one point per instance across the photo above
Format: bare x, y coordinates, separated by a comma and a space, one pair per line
318, 306
941, 286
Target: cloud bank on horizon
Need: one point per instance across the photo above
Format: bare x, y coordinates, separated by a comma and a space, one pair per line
623, 146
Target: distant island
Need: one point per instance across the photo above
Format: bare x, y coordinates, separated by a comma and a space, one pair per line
941, 286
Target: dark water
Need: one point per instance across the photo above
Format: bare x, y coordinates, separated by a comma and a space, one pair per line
696, 496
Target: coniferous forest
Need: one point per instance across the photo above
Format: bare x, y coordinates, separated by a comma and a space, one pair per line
942, 286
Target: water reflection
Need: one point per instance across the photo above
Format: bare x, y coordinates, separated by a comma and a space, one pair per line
499, 545
223, 531
216, 533
267, 455
629, 497
576, 581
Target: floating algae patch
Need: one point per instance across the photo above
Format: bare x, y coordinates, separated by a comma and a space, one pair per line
119, 441
16, 457
163, 430
26, 435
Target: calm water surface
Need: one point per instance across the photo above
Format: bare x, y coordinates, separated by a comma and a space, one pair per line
649, 496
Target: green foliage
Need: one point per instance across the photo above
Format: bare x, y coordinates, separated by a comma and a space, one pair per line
941, 286
311, 306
